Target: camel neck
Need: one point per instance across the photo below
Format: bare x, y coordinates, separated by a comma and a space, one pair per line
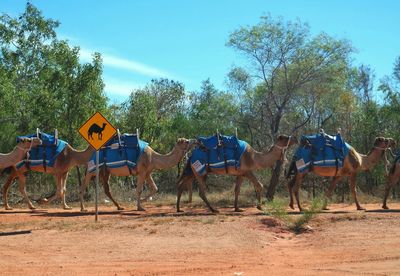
168, 160
80, 157
267, 159
13, 157
372, 159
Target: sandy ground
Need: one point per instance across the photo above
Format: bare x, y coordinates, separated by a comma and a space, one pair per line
341, 241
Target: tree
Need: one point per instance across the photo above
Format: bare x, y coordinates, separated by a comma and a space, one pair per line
43, 84
153, 110
286, 62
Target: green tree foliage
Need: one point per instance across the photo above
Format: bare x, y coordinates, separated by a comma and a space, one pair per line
291, 82
292, 70
43, 83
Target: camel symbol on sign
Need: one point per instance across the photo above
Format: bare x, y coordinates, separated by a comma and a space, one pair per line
95, 128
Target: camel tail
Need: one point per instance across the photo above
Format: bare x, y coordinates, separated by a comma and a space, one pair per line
292, 171
187, 172
292, 181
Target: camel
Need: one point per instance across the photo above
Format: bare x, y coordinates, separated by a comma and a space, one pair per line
18, 153
149, 161
66, 160
95, 128
251, 161
353, 163
393, 178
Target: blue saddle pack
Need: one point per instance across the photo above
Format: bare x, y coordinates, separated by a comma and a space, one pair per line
215, 152
42, 155
320, 150
119, 152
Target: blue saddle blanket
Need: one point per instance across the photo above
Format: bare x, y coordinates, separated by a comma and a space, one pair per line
118, 153
45, 154
217, 152
320, 150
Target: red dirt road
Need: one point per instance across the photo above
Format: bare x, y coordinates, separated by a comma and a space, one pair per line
341, 241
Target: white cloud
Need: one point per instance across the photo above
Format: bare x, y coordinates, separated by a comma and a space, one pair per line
116, 87
125, 64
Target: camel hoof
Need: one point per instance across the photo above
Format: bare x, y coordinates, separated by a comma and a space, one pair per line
325, 209
259, 207
215, 211
66, 207
141, 209
291, 206
238, 210
9, 208
120, 208
179, 211
84, 210
359, 208
385, 207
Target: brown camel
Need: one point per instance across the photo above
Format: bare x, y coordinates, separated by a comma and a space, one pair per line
251, 161
393, 178
66, 160
147, 163
18, 153
352, 164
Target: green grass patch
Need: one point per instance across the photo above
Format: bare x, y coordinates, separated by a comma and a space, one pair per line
277, 209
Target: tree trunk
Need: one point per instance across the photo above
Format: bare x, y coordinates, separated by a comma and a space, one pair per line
274, 180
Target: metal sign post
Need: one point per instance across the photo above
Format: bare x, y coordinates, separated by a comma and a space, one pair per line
97, 186
97, 131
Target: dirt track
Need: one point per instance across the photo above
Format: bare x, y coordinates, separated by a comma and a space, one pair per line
160, 242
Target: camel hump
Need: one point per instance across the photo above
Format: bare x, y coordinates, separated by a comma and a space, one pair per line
94, 127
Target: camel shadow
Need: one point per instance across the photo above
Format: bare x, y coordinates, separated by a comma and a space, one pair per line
12, 233
10, 212
194, 213
383, 211
77, 214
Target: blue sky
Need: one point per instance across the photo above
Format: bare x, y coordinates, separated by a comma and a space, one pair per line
185, 40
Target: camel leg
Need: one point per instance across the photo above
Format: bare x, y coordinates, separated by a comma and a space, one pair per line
64, 178
22, 189
239, 181
392, 180
190, 191
6, 186
332, 186
139, 188
59, 192
257, 186
152, 185
106, 186
202, 193
183, 183
291, 184
296, 188
354, 191
82, 190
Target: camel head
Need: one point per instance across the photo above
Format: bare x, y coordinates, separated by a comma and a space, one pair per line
185, 144
384, 143
285, 141
28, 143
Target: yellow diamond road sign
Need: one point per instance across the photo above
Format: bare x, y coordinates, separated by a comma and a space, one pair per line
97, 130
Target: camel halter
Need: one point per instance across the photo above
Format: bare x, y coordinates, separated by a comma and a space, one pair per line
284, 148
